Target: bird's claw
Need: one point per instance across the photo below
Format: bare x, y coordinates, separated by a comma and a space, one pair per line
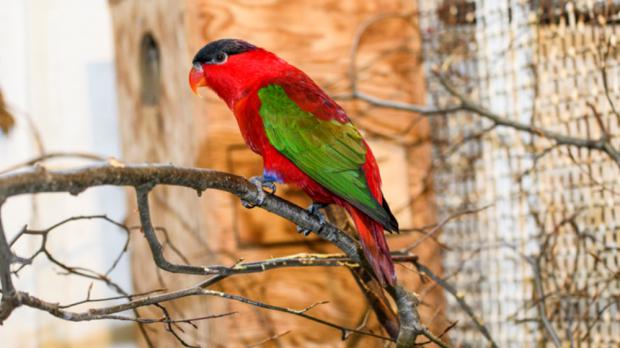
313, 209
306, 232
260, 182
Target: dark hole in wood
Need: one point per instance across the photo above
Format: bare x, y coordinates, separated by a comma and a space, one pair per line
150, 70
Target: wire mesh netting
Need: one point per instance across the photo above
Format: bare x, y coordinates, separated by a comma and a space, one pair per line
540, 263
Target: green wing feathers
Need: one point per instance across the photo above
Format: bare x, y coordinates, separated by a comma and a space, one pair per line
330, 152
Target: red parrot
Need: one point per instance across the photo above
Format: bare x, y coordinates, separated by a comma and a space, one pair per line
304, 137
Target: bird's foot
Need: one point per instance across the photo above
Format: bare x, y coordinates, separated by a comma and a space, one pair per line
261, 183
313, 209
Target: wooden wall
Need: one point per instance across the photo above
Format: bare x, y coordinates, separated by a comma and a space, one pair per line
156, 120
317, 37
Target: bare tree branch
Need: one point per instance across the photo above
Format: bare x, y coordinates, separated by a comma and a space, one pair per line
467, 104
460, 300
41, 180
198, 290
143, 179
8, 302
402, 106
52, 155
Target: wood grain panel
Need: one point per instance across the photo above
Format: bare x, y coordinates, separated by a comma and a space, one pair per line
159, 131
316, 36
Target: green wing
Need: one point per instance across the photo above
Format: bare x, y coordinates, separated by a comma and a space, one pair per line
330, 152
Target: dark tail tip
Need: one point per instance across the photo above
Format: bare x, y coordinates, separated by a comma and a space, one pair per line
392, 226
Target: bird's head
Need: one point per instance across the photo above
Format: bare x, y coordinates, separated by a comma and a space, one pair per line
229, 66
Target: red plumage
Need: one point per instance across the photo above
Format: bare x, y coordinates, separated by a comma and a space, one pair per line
237, 82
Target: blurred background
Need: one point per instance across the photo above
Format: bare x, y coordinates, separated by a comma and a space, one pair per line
486, 117
57, 78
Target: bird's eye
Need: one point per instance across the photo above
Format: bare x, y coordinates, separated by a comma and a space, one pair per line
220, 58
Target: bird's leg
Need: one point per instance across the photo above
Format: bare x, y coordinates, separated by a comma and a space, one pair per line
314, 209
260, 182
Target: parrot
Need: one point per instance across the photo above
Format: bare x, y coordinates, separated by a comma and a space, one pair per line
304, 138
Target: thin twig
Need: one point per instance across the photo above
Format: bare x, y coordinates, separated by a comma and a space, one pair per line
9, 301
460, 300
52, 155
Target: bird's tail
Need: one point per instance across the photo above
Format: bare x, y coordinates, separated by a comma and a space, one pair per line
374, 245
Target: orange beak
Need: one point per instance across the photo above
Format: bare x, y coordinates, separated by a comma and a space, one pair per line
197, 78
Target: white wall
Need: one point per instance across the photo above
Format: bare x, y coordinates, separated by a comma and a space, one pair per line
56, 65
